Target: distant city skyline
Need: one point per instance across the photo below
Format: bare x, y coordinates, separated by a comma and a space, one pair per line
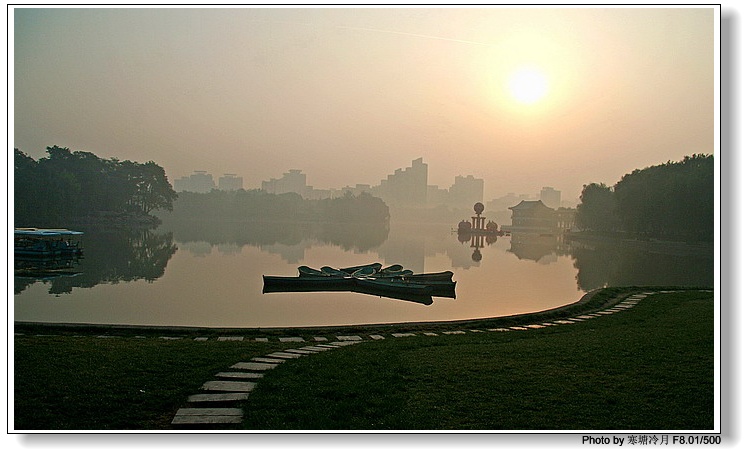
464, 191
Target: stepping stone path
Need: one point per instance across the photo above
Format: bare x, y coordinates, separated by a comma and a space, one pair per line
208, 408
216, 404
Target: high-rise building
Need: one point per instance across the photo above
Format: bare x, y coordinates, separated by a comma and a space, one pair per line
405, 187
230, 182
294, 181
467, 190
550, 197
197, 182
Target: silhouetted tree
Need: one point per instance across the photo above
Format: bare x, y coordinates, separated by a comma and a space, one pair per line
69, 185
596, 208
674, 200
151, 189
671, 199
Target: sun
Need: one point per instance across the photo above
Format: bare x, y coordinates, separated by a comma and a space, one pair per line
528, 85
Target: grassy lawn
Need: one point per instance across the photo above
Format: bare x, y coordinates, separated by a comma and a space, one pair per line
650, 367
647, 368
119, 383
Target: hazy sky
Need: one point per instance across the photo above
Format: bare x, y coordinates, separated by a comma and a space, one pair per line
350, 94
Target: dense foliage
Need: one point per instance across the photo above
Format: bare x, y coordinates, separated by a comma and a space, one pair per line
68, 186
258, 205
674, 199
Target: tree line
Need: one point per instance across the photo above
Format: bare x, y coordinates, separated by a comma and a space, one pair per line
259, 205
670, 200
70, 186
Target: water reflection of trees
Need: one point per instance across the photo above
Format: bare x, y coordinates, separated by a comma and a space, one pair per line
608, 262
360, 237
109, 257
627, 263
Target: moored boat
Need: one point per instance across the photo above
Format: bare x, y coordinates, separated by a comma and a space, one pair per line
392, 281
45, 243
439, 288
332, 272
273, 284
393, 274
306, 271
398, 286
353, 269
367, 271
434, 276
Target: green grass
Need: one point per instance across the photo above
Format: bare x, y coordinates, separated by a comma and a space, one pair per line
647, 368
90, 383
650, 367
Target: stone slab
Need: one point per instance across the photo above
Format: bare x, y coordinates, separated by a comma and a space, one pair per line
206, 419
299, 351
285, 355
518, 328
316, 348
254, 366
319, 338
285, 339
349, 338
406, 334
218, 397
376, 337
265, 340
231, 386
239, 375
431, 334
230, 338
222, 411
201, 338
454, 332
345, 343
501, 329
267, 360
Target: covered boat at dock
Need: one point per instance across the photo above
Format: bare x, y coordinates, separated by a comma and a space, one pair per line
46, 243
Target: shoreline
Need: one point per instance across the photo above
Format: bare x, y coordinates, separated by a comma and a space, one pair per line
590, 302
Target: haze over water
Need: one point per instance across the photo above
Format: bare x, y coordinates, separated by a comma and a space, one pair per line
212, 277
521, 97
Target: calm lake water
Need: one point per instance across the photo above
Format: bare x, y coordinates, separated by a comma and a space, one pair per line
210, 275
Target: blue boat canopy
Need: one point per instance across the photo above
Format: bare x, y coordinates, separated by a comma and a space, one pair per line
30, 231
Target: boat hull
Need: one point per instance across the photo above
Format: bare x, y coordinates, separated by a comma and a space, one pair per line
445, 276
276, 284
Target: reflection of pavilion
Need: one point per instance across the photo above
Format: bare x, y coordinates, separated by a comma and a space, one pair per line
540, 248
